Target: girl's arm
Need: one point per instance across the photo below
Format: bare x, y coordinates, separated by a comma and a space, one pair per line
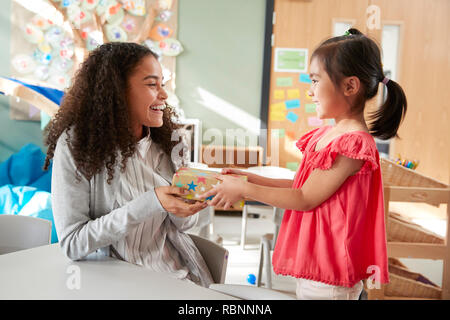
320, 185
260, 180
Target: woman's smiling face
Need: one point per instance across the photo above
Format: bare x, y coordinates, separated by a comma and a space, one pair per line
146, 95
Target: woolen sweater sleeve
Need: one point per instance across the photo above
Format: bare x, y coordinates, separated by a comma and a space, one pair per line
79, 234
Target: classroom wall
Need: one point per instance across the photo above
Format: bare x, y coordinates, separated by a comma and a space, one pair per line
13, 134
219, 75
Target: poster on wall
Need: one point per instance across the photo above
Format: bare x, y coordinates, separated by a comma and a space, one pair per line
291, 60
52, 38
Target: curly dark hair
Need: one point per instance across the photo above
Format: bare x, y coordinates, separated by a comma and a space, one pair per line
95, 107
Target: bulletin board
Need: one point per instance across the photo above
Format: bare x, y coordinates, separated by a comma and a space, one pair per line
296, 33
51, 38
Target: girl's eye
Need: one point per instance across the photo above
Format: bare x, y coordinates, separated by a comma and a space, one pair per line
314, 81
151, 84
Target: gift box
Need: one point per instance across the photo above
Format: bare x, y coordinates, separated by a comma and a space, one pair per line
199, 181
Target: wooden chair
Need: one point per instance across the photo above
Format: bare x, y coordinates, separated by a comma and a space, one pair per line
406, 185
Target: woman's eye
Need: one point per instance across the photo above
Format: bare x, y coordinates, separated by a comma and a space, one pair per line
151, 84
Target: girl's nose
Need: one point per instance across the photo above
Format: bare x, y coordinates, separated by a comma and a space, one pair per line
310, 92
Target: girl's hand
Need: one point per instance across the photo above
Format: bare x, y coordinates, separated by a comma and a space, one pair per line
170, 201
233, 171
227, 193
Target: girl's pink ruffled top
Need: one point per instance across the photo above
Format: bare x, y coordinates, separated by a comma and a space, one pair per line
343, 240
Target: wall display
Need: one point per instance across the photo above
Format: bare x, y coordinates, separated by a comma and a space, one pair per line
291, 60
55, 36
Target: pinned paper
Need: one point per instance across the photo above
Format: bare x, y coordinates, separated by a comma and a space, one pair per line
277, 107
292, 104
290, 60
277, 116
307, 95
292, 165
136, 7
304, 78
116, 33
23, 63
284, 82
164, 15
293, 94
310, 108
291, 135
279, 133
278, 94
129, 24
292, 117
114, 14
170, 47
314, 122
160, 32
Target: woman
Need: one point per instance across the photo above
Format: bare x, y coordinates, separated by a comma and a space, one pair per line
112, 166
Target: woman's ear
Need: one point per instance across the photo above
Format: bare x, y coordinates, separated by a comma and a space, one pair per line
351, 85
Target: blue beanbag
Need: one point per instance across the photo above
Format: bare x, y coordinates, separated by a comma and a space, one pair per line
24, 168
27, 201
24, 187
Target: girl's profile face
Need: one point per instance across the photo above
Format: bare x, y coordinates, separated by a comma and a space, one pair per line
330, 102
146, 95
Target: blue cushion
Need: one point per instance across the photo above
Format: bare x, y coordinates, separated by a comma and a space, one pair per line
27, 201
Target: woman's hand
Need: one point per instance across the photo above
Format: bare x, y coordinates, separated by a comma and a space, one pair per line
227, 193
169, 197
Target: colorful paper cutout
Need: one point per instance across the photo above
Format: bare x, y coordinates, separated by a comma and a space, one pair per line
292, 104
293, 94
279, 133
292, 117
310, 108
277, 116
307, 95
135, 8
278, 94
314, 122
277, 107
116, 33
291, 135
284, 82
33, 34
170, 47
290, 60
160, 32
23, 63
164, 15
304, 78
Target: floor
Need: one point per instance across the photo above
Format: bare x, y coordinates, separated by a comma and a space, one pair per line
243, 262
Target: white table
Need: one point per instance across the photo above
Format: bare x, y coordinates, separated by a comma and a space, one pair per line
45, 273
261, 208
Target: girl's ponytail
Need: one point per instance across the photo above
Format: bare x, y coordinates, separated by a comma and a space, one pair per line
386, 120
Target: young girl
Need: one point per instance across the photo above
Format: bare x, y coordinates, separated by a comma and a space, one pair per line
112, 167
333, 234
